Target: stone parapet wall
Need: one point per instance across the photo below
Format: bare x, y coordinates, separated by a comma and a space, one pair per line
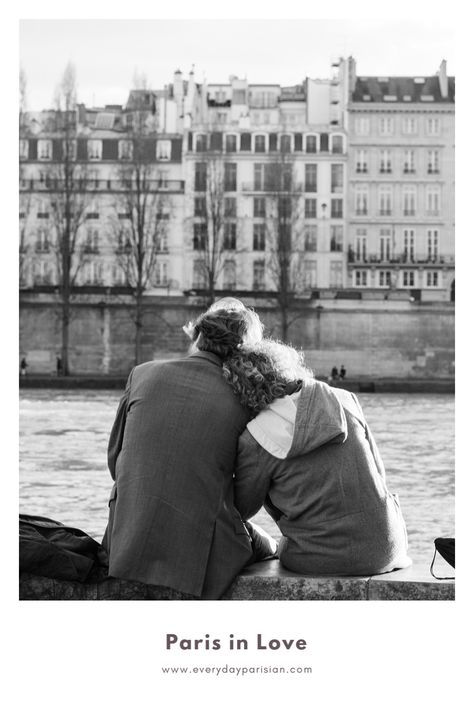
261, 581
395, 341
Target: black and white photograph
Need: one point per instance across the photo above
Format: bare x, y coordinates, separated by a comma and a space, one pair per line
236, 351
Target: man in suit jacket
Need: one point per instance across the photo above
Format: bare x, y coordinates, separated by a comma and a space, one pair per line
172, 450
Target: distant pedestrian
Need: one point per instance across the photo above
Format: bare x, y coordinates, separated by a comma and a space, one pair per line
334, 374
59, 365
342, 372
23, 366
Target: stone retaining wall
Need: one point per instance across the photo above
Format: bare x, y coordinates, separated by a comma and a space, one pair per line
261, 581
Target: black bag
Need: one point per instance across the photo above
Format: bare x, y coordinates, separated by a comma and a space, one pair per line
446, 548
51, 549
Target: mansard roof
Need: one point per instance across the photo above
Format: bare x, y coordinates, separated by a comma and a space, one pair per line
402, 89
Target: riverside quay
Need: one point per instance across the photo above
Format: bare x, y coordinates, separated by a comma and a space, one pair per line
332, 192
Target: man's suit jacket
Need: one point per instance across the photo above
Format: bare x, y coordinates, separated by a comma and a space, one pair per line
172, 452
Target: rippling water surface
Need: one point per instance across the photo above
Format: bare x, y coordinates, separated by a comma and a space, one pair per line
63, 468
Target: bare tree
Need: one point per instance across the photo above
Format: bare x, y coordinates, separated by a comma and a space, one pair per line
284, 235
215, 223
66, 181
139, 224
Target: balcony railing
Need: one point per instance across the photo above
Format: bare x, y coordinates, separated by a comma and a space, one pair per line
93, 185
397, 259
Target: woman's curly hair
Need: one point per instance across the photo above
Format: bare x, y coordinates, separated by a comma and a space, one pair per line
223, 331
262, 372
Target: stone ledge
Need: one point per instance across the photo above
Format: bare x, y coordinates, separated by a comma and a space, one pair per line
261, 581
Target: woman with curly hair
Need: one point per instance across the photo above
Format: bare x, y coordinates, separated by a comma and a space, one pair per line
309, 458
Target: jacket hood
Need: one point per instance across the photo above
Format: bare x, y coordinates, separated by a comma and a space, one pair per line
300, 423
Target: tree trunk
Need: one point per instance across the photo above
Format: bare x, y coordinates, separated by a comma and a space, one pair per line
138, 328
66, 315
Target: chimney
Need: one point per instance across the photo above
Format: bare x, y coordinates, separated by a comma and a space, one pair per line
178, 87
443, 80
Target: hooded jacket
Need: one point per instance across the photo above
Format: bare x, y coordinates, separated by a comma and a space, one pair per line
312, 461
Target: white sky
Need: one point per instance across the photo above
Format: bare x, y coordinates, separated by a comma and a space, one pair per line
108, 52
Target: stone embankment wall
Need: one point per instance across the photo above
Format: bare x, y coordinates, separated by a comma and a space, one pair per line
372, 339
261, 581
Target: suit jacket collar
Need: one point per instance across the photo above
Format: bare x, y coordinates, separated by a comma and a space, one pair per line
207, 355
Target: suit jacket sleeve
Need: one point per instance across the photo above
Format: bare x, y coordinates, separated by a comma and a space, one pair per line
118, 428
251, 484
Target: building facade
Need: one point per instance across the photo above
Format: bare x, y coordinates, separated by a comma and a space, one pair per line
356, 174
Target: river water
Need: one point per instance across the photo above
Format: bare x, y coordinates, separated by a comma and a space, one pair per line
63, 469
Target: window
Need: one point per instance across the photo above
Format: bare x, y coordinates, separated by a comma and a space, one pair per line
433, 161
310, 270
361, 161
408, 278
200, 236
362, 125
92, 273
311, 144
433, 126
385, 278
259, 275
337, 144
42, 241
385, 161
432, 245
230, 207
92, 241
310, 178
259, 237
335, 274
200, 209
386, 126
361, 196
43, 210
23, 148
161, 242
260, 144
285, 143
200, 174
361, 245
433, 199
385, 200
409, 245
360, 277
337, 177
42, 272
259, 207
199, 274
94, 150
409, 161
409, 125
336, 208
163, 150
229, 280
432, 278
385, 243
409, 200
201, 143
284, 208
310, 208
230, 143
258, 176
230, 235
161, 274
311, 238
337, 234
45, 149
230, 177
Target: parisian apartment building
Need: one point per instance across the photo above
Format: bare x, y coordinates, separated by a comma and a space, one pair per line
361, 167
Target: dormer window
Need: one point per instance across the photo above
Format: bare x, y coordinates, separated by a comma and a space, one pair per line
163, 150
45, 149
94, 150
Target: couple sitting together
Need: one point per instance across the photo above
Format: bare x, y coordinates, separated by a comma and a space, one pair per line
200, 444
